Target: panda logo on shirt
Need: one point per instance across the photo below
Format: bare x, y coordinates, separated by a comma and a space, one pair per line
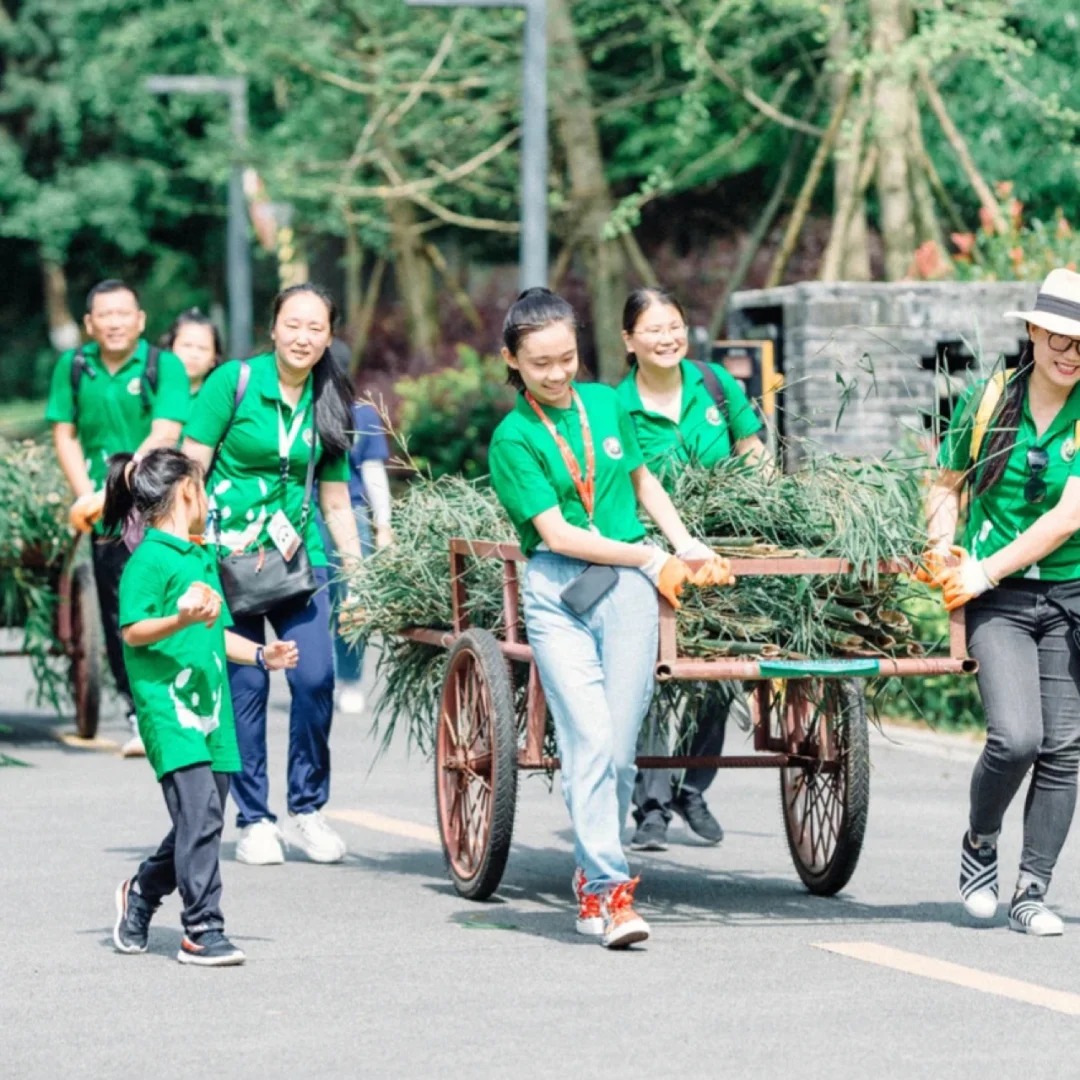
613, 448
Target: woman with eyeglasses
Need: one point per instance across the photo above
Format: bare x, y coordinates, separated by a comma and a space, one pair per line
684, 414
1018, 576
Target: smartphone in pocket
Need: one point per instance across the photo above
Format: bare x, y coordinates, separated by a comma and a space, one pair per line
591, 585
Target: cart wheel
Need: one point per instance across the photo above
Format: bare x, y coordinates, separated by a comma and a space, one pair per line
826, 802
85, 649
476, 764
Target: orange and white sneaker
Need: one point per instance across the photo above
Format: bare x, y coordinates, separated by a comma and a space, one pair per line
623, 926
590, 919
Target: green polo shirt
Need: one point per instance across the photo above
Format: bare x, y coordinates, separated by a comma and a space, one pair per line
180, 685
999, 515
111, 417
704, 435
530, 476
245, 486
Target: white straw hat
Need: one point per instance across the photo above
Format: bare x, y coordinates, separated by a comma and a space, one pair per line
1057, 307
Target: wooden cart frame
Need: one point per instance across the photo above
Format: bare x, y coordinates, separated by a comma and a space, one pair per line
77, 631
809, 722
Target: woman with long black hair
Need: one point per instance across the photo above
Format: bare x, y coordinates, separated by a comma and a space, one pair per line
259, 426
1014, 442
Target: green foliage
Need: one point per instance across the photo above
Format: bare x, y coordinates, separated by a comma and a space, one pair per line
447, 417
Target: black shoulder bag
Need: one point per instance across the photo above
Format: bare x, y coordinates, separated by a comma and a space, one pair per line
256, 582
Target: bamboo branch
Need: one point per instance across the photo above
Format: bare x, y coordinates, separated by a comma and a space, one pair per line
462, 298
806, 193
429, 73
464, 221
963, 154
637, 259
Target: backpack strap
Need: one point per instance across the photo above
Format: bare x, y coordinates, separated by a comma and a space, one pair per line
148, 384
241, 389
716, 391
988, 405
79, 368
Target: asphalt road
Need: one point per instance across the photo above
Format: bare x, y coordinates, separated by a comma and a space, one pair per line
376, 968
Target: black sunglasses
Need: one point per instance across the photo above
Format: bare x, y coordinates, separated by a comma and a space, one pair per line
1037, 462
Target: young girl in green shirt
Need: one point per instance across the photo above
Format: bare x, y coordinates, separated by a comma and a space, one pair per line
1018, 577
176, 644
566, 466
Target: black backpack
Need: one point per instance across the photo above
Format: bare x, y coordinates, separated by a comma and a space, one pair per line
147, 384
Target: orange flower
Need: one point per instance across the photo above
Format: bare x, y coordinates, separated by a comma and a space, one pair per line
930, 263
1016, 212
986, 219
1016, 254
964, 241
1004, 188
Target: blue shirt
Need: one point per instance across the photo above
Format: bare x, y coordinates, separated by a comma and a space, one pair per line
369, 444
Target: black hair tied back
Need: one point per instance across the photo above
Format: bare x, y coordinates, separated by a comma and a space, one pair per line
147, 485
1005, 424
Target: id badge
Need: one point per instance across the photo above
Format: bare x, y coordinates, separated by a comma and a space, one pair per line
286, 539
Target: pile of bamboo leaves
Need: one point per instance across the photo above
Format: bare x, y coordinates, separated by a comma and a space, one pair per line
34, 537
865, 512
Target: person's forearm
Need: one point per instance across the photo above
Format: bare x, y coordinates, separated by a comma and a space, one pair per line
238, 649
658, 505
162, 433
377, 489
575, 543
72, 461
151, 631
341, 521
942, 513
1033, 544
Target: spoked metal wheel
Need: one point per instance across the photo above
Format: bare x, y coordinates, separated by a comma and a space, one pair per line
476, 764
85, 647
826, 796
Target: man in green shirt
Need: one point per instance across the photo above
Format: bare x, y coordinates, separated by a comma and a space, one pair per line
103, 400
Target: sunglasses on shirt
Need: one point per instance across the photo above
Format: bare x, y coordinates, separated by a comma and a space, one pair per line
1038, 460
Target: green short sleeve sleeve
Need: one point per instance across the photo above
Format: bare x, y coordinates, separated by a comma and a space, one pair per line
333, 468
60, 408
519, 480
141, 590
742, 418
632, 454
211, 417
172, 401
954, 453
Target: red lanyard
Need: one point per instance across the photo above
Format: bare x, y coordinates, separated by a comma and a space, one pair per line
586, 486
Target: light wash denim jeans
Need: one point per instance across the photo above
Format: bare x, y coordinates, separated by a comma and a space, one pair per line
597, 674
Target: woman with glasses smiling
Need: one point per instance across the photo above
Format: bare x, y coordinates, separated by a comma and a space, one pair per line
679, 422
1018, 573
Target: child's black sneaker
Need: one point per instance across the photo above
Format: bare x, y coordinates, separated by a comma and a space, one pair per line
133, 915
1029, 914
211, 948
978, 878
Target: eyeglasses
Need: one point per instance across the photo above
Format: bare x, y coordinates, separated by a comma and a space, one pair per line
654, 332
1037, 462
1062, 343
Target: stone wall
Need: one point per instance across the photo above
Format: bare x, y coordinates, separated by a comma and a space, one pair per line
857, 350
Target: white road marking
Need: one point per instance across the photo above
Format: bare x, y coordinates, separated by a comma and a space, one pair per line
380, 823
929, 967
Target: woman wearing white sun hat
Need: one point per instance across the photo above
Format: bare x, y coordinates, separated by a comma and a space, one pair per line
1014, 443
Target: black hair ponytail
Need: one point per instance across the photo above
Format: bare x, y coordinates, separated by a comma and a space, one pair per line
534, 309
1005, 424
146, 485
331, 390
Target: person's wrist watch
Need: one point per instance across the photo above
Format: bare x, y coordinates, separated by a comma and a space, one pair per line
260, 658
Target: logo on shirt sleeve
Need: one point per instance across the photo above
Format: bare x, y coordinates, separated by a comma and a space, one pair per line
613, 448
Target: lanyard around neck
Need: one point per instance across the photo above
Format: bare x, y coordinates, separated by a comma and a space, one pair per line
286, 439
585, 485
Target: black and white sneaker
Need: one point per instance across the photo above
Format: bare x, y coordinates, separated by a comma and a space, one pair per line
1028, 914
133, 915
211, 948
978, 878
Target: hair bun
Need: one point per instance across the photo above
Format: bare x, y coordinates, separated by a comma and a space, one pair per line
534, 290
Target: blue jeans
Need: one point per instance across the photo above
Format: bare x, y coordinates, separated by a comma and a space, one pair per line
348, 659
310, 714
597, 674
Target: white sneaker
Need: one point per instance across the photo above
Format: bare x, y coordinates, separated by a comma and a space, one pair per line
351, 698
133, 747
316, 839
260, 844
1029, 914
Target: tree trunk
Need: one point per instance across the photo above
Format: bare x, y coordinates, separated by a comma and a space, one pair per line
63, 329
590, 202
415, 279
890, 26
847, 257
926, 216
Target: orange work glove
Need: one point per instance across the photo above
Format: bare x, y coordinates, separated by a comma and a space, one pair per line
85, 510
714, 569
936, 561
961, 584
669, 574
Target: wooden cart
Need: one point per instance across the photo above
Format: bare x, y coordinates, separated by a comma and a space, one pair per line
809, 723
77, 630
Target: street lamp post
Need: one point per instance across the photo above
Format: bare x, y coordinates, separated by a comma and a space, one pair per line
534, 133
237, 249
